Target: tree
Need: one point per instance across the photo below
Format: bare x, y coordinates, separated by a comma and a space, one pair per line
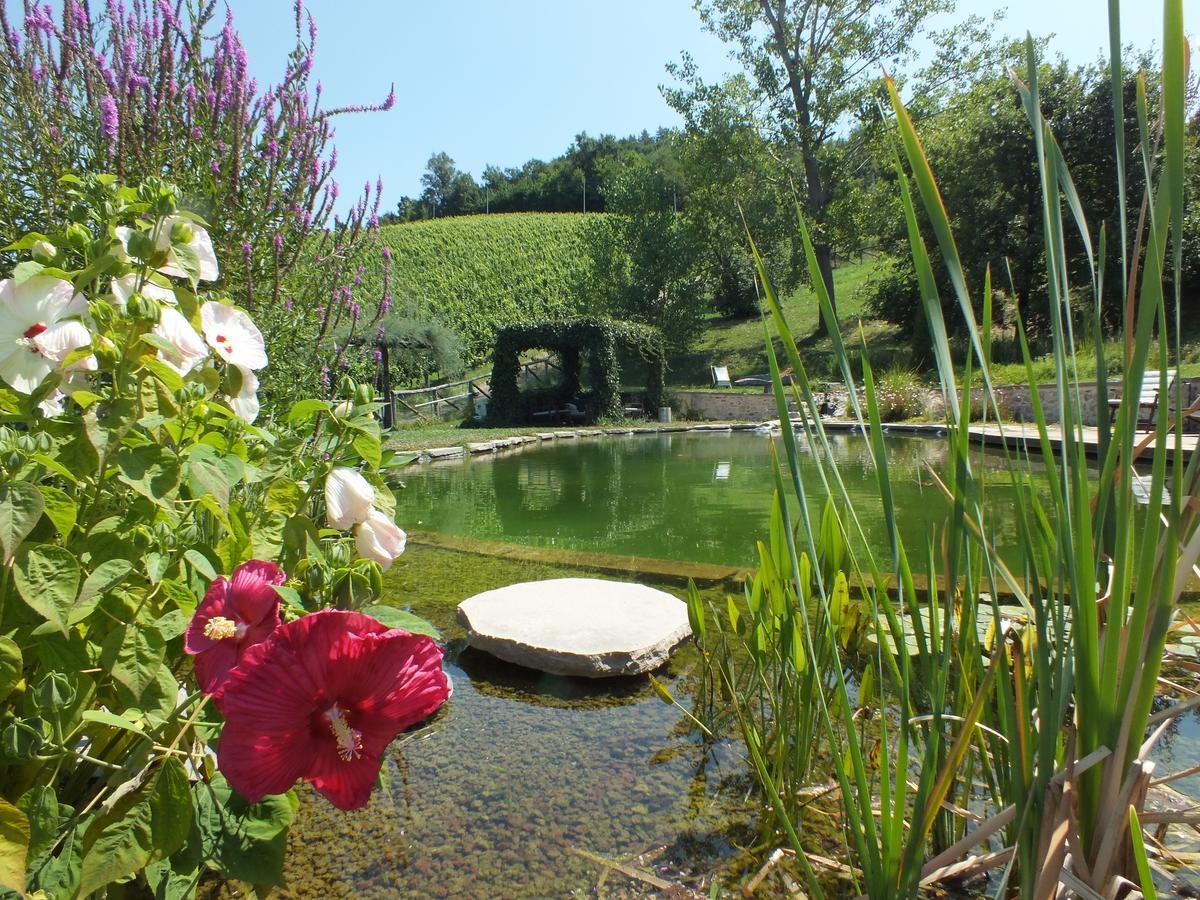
448, 191
812, 64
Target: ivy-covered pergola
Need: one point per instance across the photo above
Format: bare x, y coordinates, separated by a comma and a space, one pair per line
571, 339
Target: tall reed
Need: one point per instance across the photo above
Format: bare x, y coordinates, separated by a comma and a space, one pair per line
1021, 746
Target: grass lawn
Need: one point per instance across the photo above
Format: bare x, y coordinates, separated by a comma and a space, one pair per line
739, 344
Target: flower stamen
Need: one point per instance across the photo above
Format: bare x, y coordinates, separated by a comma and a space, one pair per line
218, 628
349, 740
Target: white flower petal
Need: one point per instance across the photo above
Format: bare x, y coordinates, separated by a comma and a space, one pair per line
61, 339
52, 406
232, 334
348, 498
201, 243
123, 288
190, 349
245, 402
24, 369
380, 539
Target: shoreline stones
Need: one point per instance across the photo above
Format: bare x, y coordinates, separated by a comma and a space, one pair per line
585, 627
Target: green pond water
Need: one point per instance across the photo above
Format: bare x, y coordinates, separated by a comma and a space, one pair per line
523, 779
699, 497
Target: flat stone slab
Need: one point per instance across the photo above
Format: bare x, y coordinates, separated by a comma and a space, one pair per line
577, 626
444, 452
546, 435
482, 446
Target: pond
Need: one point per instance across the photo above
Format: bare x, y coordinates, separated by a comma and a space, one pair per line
693, 496
530, 785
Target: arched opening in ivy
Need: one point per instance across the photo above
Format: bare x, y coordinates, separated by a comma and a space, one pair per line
596, 341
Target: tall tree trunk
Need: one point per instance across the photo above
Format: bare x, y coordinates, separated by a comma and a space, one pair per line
815, 204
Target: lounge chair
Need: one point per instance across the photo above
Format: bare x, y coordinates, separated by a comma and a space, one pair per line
1147, 398
720, 376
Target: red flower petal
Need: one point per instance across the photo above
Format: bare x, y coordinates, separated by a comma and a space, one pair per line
276, 704
214, 604
251, 593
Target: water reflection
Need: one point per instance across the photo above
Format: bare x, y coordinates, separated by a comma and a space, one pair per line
701, 497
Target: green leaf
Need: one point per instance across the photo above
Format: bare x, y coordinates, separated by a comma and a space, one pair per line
14, 846
21, 505
305, 410
26, 270
172, 624
150, 470
103, 717
211, 473
10, 666
244, 841
369, 448
103, 579
201, 563
133, 653
61, 509
164, 373
47, 578
118, 843
170, 808
285, 495
393, 617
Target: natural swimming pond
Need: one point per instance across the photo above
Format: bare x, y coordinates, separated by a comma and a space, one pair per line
525, 784
692, 496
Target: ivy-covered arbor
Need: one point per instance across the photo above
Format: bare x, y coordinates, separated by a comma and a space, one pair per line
571, 339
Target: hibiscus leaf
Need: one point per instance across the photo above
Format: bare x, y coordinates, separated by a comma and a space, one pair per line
242, 840
135, 830
22, 272
164, 373
303, 410
150, 470
25, 242
10, 666
369, 448
103, 579
61, 509
133, 654
47, 578
14, 847
208, 474
21, 505
187, 259
394, 617
200, 563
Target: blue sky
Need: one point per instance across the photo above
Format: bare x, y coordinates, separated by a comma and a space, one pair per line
502, 82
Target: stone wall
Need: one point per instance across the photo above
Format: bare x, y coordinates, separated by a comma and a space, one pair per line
724, 406
1014, 400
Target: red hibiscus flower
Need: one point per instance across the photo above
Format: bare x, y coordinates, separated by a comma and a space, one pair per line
321, 699
235, 614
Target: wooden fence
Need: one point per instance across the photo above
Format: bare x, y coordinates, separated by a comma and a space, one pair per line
453, 398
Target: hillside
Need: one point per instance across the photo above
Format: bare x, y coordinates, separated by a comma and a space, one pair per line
476, 273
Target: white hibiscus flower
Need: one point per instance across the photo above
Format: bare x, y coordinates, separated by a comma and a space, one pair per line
37, 331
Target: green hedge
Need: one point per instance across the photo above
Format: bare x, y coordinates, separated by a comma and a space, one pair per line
599, 339
479, 273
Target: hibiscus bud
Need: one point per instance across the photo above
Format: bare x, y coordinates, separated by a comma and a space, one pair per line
314, 579
78, 237
144, 309
44, 252
182, 232
141, 245
364, 394
346, 387
379, 539
375, 576
344, 409
339, 554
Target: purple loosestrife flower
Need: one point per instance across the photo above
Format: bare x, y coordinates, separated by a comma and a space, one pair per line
278, 242
197, 132
378, 355
109, 122
325, 377
287, 304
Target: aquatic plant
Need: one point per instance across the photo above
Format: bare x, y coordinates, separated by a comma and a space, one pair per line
1035, 721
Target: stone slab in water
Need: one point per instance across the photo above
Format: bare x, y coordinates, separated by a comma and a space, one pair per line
482, 446
444, 452
577, 626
